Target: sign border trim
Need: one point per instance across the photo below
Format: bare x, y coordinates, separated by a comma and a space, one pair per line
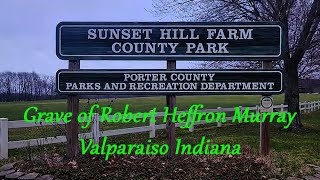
173, 56
163, 71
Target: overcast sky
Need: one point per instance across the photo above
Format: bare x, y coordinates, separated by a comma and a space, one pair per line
27, 35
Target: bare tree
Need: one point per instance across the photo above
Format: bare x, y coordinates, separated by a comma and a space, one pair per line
2, 87
26, 86
299, 17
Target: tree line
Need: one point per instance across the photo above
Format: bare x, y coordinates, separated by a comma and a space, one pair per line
26, 86
31, 86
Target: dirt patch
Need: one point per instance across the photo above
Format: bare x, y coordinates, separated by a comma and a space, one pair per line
151, 167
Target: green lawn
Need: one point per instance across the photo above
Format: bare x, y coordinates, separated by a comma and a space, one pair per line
15, 110
291, 151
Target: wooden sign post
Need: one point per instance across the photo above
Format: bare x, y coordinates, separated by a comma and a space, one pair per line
170, 126
264, 149
72, 128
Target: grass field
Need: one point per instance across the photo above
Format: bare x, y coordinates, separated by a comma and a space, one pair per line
291, 150
15, 110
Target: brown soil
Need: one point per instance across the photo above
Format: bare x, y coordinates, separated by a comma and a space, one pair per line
151, 167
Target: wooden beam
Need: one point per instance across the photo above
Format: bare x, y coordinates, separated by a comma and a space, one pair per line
264, 149
170, 126
72, 128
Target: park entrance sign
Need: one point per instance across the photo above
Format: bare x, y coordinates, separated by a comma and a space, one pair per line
169, 40
157, 82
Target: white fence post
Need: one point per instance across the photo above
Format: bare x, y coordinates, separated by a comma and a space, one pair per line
309, 107
152, 133
95, 128
281, 108
4, 138
312, 105
257, 109
305, 107
191, 128
219, 122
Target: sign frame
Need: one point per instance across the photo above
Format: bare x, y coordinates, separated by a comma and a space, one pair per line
185, 57
156, 92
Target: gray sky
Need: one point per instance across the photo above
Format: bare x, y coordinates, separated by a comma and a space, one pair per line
27, 35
